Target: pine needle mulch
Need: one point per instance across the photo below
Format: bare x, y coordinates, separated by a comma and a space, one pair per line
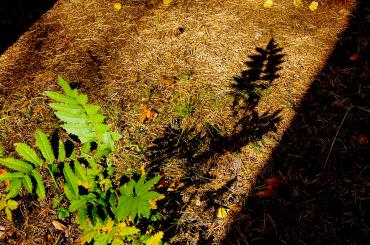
322, 159
224, 81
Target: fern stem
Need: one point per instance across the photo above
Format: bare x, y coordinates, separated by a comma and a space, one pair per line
53, 178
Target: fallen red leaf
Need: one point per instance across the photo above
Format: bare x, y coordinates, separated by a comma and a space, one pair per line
273, 182
3, 171
363, 140
265, 193
353, 57
147, 114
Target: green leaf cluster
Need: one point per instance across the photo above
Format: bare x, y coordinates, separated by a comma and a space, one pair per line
26, 171
135, 199
81, 118
107, 211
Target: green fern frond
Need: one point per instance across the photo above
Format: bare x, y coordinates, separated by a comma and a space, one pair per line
11, 176
69, 192
101, 153
71, 180
86, 148
73, 155
72, 109
128, 188
148, 185
28, 154
14, 188
62, 98
80, 171
44, 145
67, 89
84, 133
61, 151
40, 187
16, 164
81, 216
77, 204
27, 183
80, 118
72, 118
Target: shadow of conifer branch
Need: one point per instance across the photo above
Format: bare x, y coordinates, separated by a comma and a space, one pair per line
196, 151
262, 71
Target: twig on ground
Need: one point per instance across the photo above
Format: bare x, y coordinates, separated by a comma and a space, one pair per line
336, 135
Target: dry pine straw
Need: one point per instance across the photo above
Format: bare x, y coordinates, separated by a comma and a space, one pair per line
126, 59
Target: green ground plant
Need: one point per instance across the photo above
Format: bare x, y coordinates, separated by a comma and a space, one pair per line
107, 212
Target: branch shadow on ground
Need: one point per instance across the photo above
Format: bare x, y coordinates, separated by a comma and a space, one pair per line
16, 16
323, 158
197, 151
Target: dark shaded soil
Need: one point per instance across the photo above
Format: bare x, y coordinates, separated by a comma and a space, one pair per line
323, 158
16, 16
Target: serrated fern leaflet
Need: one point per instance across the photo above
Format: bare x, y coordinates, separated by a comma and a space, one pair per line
80, 118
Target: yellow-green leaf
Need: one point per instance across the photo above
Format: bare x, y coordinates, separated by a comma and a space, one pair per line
87, 237
9, 215
107, 227
12, 205
2, 202
117, 241
124, 230
156, 239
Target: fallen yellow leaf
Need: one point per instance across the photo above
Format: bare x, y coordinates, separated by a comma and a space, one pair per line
313, 6
222, 213
297, 3
167, 2
142, 170
117, 6
153, 203
60, 226
268, 4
